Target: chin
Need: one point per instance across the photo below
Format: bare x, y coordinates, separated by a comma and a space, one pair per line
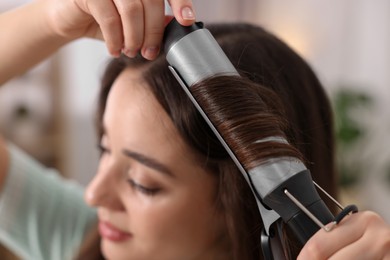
114, 251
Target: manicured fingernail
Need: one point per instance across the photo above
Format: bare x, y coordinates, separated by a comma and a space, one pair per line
151, 52
187, 13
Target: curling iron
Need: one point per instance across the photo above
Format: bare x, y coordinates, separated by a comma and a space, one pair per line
283, 187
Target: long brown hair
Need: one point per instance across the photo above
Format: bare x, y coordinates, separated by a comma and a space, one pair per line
279, 95
266, 60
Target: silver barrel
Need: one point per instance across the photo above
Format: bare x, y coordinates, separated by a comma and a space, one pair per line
198, 56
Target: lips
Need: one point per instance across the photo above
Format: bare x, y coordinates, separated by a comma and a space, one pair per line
110, 232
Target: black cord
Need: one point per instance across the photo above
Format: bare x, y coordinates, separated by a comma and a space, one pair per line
345, 212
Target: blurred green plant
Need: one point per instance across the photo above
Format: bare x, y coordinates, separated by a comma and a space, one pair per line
348, 131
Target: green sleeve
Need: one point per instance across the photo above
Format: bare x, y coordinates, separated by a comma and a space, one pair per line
42, 216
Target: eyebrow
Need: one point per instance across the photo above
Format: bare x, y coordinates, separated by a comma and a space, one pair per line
148, 162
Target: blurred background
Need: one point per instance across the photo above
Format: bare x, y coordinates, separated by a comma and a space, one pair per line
49, 111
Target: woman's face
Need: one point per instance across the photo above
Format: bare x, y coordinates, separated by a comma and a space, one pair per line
154, 198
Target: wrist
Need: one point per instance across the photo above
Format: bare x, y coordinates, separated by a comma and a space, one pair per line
50, 21
65, 20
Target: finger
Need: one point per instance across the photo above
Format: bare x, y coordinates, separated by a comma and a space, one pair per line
183, 11
324, 244
132, 18
154, 28
106, 15
98, 35
373, 244
367, 247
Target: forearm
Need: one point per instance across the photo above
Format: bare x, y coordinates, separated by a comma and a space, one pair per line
26, 39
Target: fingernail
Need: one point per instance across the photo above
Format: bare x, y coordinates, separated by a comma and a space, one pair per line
129, 53
187, 13
116, 54
151, 52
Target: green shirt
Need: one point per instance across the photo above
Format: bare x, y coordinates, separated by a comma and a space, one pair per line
42, 215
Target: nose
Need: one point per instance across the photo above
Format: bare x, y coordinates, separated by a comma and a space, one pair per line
104, 191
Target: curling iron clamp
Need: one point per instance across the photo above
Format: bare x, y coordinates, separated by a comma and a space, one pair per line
283, 187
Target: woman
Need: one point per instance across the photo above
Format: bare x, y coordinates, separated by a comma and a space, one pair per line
167, 164
250, 48
125, 211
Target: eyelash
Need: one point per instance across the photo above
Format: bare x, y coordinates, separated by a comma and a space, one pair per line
144, 190
103, 149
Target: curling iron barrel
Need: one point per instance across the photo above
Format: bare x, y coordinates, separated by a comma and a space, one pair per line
182, 45
194, 55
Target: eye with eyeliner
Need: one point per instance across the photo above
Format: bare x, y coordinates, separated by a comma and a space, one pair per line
143, 189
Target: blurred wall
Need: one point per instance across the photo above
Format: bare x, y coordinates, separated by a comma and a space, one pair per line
83, 65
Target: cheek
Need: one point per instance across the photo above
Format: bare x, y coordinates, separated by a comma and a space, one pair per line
184, 223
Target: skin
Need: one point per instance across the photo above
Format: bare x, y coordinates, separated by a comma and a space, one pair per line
169, 216
126, 26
